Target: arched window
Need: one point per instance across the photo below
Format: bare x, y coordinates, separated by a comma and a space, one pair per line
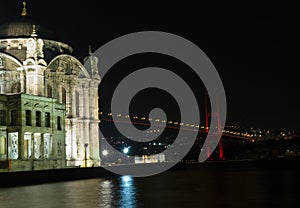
49, 91
59, 123
28, 117
38, 118
63, 95
47, 119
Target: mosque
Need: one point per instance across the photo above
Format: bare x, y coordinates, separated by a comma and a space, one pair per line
48, 101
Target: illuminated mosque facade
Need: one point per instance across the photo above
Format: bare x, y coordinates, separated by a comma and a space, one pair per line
48, 101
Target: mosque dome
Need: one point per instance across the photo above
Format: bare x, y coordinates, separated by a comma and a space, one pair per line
22, 28
14, 36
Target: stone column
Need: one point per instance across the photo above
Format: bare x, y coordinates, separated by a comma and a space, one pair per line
68, 102
21, 145
81, 136
32, 151
42, 147
68, 140
94, 121
81, 104
74, 142
40, 84
28, 147
2, 87
94, 141
94, 100
73, 102
86, 101
50, 147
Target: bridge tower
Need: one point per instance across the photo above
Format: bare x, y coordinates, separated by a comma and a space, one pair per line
208, 117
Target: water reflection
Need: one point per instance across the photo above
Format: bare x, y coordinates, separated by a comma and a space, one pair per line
127, 192
189, 188
106, 194
120, 193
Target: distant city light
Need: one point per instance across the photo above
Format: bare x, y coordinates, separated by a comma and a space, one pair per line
126, 150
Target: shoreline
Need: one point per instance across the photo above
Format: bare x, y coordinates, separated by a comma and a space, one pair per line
24, 178
275, 163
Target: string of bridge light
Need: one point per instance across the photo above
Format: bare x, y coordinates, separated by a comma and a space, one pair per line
157, 120
143, 118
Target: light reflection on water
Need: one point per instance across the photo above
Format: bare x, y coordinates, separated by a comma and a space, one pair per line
105, 193
102, 193
188, 188
121, 194
127, 192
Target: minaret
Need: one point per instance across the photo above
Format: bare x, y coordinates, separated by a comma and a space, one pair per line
93, 64
90, 50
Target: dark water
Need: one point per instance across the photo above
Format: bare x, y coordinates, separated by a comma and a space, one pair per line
183, 188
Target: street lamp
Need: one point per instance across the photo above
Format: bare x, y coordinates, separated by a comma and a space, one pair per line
85, 146
104, 152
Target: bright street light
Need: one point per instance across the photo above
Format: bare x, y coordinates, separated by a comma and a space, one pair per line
104, 152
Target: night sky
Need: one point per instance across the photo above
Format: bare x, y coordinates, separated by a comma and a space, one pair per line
253, 45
